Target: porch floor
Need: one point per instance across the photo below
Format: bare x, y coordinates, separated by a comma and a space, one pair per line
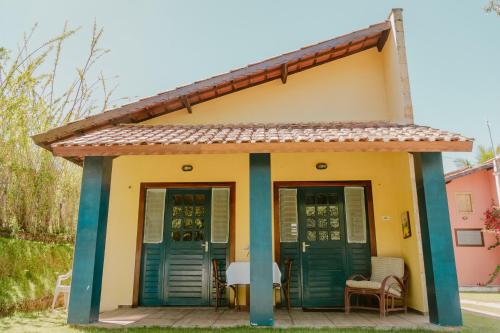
207, 317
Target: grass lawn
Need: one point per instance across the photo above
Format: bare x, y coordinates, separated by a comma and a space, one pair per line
476, 323
28, 273
55, 323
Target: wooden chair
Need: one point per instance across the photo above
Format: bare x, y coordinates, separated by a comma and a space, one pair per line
388, 283
285, 283
221, 286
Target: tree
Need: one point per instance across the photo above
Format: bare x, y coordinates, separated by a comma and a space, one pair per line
492, 225
483, 154
38, 193
493, 6
462, 163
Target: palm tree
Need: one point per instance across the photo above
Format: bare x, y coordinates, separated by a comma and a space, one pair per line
485, 154
463, 163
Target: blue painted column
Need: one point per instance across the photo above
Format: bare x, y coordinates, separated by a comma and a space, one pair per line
88, 257
437, 242
261, 255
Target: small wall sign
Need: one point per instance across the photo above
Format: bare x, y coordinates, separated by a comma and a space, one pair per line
187, 167
321, 166
405, 224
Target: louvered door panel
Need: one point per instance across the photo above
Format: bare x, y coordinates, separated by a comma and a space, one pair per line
151, 280
359, 258
186, 277
324, 276
291, 251
219, 252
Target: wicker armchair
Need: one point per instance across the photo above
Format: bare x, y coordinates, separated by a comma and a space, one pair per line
221, 286
388, 283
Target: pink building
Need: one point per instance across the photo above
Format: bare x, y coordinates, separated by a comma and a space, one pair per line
471, 192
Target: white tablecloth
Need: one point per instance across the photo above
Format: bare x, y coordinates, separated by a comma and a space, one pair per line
238, 272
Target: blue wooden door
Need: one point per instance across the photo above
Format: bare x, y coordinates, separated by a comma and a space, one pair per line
322, 246
187, 257
178, 246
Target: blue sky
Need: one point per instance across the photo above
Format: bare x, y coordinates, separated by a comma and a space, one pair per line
453, 47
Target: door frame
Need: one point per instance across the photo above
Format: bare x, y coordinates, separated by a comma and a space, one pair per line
140, 222
367, 184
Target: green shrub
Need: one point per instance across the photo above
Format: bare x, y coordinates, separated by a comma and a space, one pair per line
28, 272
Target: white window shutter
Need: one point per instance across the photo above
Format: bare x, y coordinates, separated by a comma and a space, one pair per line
220, 215
154, 215
288, 215
355, 214
464, 202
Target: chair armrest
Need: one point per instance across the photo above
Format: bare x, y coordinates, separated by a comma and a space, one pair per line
358, 277
399, 283
219, 281
65, 276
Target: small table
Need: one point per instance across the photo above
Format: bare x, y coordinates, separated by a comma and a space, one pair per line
238, 273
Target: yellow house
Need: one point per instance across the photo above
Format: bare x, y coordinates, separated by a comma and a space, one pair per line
311, 157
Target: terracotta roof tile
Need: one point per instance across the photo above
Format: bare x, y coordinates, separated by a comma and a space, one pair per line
234, 80
258, 133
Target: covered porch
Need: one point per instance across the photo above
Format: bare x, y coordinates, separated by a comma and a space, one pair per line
179, 317
393, 175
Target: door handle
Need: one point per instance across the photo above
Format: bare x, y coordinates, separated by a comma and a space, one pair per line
304, 246
205, 246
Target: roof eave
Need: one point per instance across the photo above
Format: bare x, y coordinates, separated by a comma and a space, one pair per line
462, 173
263, 147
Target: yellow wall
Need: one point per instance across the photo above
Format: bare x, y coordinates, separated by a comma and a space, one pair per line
392, 195
128, 172
349, 89
389, 173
